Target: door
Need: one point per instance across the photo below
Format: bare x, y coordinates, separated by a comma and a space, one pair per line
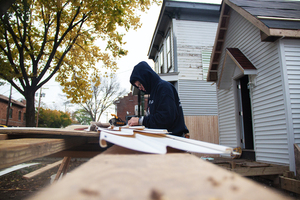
245, 113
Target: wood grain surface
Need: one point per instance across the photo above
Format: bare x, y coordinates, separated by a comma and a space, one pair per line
152, 177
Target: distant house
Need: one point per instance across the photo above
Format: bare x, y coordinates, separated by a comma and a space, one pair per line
128, 106
16, 113
181, 47
256, 66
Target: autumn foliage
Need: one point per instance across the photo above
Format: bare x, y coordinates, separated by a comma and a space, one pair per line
53, 118
43, 38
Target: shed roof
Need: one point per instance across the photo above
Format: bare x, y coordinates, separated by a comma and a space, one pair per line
234, 57
274, 18
273, 13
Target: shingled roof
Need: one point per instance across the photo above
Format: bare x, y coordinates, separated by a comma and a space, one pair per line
273, 13
274, 19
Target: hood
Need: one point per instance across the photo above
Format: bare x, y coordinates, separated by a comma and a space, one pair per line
143, 73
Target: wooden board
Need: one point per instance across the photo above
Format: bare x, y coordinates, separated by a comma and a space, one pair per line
41, 170
297, 160
47, 131
3, 136
261, 171
17, 151
147, 176
290, 184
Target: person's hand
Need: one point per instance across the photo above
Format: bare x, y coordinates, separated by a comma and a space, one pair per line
134, 121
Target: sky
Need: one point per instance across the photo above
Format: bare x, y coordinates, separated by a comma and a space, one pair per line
138, 42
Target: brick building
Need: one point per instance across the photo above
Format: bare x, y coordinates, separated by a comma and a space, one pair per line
16, 113
128, 106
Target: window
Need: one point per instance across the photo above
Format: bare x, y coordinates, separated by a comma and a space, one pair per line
161, 60
169, 54
20, 113
157, 66
24, 117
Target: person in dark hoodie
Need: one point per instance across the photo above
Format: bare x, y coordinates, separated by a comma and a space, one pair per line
164, 107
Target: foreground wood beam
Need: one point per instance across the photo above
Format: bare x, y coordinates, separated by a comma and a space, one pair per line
17, 151
149, 176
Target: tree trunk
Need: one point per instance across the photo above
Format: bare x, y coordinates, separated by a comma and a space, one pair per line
30, 109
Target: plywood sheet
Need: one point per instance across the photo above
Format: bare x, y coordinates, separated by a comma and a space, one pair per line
148, 176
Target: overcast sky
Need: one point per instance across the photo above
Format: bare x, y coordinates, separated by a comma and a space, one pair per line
138, 43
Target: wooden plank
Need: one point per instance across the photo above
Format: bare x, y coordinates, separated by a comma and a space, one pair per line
147, 176
76, 154
47, 131
41, 170
17, 151
63, 168
297, 160
3, 136
290, 184
260, 171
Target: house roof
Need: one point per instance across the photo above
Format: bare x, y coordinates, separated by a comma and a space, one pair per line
6, 99
274, 18
274, 14
180, 10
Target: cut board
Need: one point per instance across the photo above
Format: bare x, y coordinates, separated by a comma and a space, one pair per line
47, 131
152, 176
157, 141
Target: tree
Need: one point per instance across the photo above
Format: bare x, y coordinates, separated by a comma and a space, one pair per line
53, 118
103, 96
82, 117
43, 38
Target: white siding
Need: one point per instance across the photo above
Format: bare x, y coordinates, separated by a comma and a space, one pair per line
193, 37
292, 61
197, 97
268, 108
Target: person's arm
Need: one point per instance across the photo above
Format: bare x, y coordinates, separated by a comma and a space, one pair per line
135, 121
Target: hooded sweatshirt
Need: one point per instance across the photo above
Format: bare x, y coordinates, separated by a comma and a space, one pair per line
164, 107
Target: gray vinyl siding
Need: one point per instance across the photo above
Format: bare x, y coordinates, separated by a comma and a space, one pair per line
292, 63
193, 38
226, 117
268, 107
197, 97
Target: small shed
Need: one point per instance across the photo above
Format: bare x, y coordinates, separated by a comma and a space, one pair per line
256, 66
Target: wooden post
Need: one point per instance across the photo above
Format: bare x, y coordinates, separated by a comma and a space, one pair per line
297, 160
63, 167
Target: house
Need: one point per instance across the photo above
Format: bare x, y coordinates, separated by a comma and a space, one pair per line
256, 66
16, 113
180, 48
128, 106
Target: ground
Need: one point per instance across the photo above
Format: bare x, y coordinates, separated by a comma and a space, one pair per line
14, 187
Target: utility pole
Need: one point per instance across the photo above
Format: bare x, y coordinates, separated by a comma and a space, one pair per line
38, 112
8, 106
